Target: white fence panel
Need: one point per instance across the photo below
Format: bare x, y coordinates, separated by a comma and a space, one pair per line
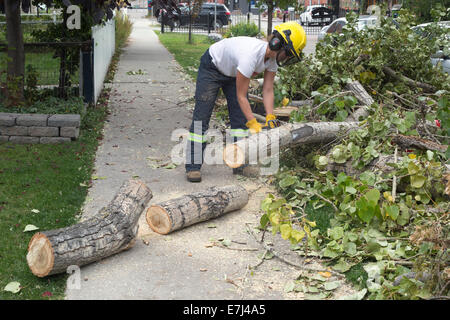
104, 47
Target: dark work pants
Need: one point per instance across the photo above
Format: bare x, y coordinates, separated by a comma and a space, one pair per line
209, 81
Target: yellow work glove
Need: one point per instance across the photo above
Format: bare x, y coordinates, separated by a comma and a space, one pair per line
271, 122
254, 126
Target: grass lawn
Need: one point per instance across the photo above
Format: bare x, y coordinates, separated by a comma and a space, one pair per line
187, 54
45, 65
45, 178
46, 186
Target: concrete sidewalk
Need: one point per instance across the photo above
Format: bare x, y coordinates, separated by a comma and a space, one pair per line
145, 109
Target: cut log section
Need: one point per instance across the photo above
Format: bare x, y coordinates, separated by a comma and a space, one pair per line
267, 143
110, 231
211, 203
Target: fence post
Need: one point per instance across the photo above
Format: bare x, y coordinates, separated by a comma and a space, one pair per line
209, 22
87, 72
259, 21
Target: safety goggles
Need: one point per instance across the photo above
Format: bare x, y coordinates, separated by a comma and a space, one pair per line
291, 56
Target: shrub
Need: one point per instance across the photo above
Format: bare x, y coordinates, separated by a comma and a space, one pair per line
243, 29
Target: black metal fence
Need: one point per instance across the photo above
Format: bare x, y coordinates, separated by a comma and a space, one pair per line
219, 24
48, 65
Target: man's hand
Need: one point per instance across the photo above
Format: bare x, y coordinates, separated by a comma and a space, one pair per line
271, 122
254, 126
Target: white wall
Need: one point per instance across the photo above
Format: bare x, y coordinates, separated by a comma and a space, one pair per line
104, 47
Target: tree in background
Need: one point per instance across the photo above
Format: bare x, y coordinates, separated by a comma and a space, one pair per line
283, 4
15, 52
422, 9
92, 13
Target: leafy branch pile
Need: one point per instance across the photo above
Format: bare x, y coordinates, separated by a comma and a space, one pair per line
370, 200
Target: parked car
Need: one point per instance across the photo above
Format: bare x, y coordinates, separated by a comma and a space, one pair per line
206, 16
338, 24
306, 17
442, 56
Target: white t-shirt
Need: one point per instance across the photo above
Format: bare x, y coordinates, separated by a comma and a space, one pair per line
245, 54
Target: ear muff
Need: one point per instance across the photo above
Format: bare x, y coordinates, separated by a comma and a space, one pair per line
275, 43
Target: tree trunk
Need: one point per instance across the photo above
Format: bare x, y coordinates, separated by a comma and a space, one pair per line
16, 54
268, 142
407, 142
269, 18
378, 164
112, 230
175, 214
425, 86
363, 97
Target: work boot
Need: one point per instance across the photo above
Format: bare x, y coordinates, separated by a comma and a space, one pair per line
250, 171
194, 176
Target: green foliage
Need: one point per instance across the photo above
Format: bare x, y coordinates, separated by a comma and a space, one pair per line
426, 10
48, 178
242, 29
49, 105
333, 64
368, 227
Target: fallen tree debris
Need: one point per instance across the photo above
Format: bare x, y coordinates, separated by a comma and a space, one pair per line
269, 142
111, 230
175, 214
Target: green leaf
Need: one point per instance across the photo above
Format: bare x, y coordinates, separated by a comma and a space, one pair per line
368, 177
13, 287
170, 166
297, 235
288, 181
336, 233
285, 230
289, 287
365, 212
413, 168
350, 190
340, 104
342, 266
339, 154
393, 211
323, 160
418, 180
373, 196
350, 248
328, 253
331, 285
264, 221
226, 242
30, 227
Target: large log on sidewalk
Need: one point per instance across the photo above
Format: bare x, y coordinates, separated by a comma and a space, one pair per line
110, 231
171, 215
267, 143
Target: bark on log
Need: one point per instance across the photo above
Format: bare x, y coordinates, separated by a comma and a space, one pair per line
269, 142
378, 164
407, 142
425, 86
112, 230
363, 97
179, 213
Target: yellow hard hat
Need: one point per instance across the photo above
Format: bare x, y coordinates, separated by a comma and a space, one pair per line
294, 36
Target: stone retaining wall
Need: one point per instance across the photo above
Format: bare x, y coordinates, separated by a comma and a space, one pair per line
39, 128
